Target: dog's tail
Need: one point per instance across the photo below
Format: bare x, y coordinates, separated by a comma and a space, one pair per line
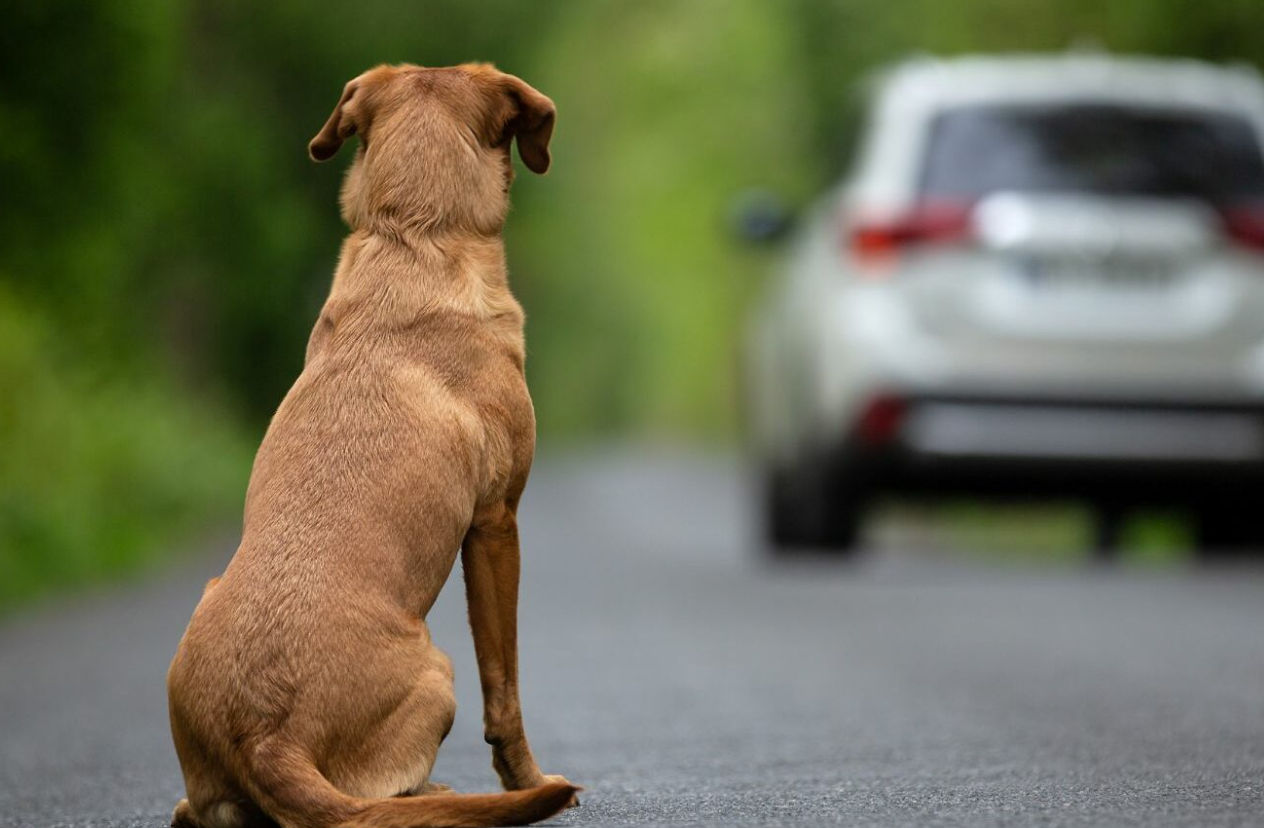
449, 809
291, 790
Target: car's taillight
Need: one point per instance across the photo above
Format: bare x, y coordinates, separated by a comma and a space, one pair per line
874, 240
881, 418
1244, 225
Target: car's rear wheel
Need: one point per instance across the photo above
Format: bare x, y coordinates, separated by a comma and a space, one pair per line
807, 510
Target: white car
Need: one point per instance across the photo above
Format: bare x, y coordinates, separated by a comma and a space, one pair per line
1044, 275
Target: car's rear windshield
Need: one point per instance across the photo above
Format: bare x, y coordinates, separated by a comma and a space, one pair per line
1095, 148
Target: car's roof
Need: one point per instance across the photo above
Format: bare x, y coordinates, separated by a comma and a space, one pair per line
933, 83
910, 94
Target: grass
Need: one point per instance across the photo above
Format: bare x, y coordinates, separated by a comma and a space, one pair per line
1054, 533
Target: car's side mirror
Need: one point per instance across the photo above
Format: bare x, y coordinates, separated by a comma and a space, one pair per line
760, 217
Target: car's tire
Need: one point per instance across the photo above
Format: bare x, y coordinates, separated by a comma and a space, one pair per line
1228, 530
806, 510
1108, 525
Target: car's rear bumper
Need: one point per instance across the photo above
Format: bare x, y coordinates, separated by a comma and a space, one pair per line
1022, 447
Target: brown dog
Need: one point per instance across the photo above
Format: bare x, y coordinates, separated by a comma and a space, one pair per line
306, 691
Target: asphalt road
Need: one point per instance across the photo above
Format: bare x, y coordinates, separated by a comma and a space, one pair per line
682, 681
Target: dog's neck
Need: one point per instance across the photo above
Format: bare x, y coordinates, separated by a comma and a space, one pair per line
401, 273
413, 223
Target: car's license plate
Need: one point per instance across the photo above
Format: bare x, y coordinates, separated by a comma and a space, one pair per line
1060, 273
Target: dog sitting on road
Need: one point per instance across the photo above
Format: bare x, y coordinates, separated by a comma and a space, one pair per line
306, 691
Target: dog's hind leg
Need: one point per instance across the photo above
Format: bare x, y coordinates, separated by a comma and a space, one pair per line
394, 755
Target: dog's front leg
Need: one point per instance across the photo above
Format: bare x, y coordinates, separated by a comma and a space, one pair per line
490, 558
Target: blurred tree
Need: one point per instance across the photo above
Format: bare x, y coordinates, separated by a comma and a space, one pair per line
633, 285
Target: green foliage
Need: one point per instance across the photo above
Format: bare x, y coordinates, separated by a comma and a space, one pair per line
633, 287
98, 474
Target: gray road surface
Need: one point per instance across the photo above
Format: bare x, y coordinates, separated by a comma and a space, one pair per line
682, 681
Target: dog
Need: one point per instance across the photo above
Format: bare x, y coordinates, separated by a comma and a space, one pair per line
306, 691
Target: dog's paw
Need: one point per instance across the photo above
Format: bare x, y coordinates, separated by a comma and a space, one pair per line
434, 788
553, 777
183, 816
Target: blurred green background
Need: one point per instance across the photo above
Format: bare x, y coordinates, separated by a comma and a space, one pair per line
165, 244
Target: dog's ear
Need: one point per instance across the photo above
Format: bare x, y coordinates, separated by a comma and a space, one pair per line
530, 120
343, 123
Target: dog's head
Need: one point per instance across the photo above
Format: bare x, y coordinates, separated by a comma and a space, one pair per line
434, 144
